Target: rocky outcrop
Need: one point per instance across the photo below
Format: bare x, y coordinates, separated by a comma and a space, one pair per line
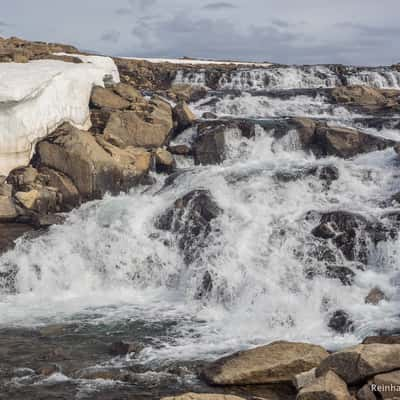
93, 165
106, 98
149, 128
357, 363
276, 362
327, 387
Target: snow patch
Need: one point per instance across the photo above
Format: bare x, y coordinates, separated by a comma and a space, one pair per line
37, 97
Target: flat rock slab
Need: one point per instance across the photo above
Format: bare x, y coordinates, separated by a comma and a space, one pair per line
274, 363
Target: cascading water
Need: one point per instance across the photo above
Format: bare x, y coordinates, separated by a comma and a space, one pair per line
110, 262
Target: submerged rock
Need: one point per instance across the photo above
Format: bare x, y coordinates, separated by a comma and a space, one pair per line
375, 296
341, 322
190, 219
274, 363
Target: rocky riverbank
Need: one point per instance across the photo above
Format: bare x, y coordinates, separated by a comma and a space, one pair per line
166, 131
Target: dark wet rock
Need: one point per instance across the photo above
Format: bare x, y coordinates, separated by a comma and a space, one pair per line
9, 232
112, 374
190, 219
209, 145
180, 150
183, 117
209, 115
375, 296
122, 348
351, 233
341, 322
382, 340
206, 286
344, 274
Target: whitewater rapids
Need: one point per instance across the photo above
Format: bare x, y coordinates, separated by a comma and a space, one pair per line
109, 263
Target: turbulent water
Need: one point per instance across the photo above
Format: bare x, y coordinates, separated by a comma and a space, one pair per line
109, 263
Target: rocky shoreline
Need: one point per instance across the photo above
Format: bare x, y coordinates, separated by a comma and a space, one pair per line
135, 130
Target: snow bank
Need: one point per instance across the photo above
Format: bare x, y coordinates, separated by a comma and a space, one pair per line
35, 98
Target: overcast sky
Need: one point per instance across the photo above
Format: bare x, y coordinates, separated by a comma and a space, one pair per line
286, 31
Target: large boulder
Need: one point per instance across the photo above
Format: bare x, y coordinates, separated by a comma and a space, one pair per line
358, 363
190, 219
326, 387
107, 98
274, 363
203, 396
150, 129
346, 143
128, 92
387, 385
8, 210
94, 166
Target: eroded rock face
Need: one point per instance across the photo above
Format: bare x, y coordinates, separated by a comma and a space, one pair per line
276, 362
327, 387
386, 384
357, 363
183, 117
190, 219
94, 166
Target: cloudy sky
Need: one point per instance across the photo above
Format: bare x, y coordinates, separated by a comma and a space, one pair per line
286, 31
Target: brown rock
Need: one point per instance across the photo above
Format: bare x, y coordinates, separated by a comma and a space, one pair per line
361, 95
375, 296
305, 128
382, 340
345, 143
41, 199
203, 396
106, 98
357, 363
180, 150
183, 116
326, 387
8, 210
122, 348
165, 161
365, 393
69, 193
387, 385
304, 379
276, 362
93, 168
128, 128
128, 92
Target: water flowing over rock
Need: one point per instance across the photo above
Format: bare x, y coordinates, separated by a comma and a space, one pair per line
277, 362
203, 396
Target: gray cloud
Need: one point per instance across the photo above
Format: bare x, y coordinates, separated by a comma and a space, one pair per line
111, 36
221, 5
142, 4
